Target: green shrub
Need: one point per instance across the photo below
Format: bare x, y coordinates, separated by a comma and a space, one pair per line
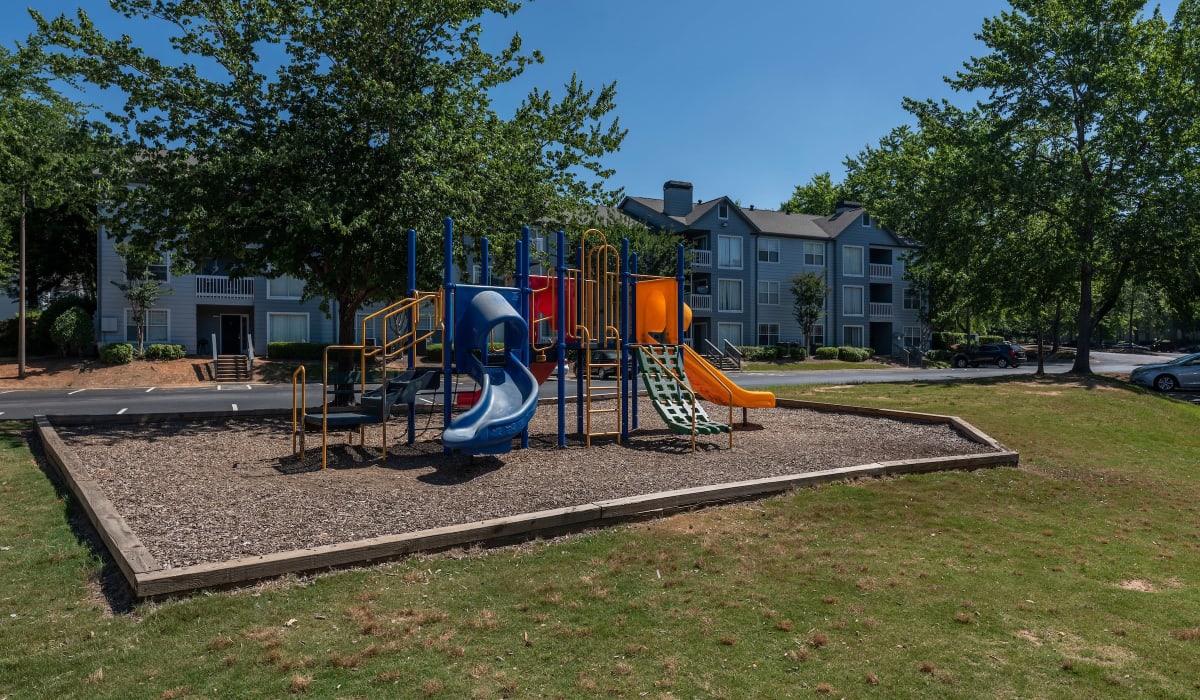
160, 351
117, 353
799, 352
433, 352
73, 331
41, 341
760, 353
280, 350
848, 354
939, 355
991, 339
944, 340
827, 353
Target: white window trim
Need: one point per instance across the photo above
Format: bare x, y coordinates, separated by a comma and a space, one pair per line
307, 324
129, 322
818, 334
741, 297
759, 293
861, 299
910, 293
820, 252
271, 295
861, 261
741, 330
761, 250
723, 206
861, 332
911, 332
741, 253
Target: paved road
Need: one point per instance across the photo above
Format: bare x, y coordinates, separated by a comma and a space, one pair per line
23, 404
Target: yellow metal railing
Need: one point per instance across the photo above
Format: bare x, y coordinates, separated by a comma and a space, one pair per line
302, 375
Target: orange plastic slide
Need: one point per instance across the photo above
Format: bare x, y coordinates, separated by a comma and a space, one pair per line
713, 385
657, 313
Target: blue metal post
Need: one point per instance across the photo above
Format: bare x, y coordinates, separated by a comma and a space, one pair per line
624, 313
560, 310
633, 329
485, 264
579, 387
447, 320
526, 295
679, 299
413, 316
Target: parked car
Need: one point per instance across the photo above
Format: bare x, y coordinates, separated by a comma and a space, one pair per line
1000, 354
1180, 373
603, 363
1125, 346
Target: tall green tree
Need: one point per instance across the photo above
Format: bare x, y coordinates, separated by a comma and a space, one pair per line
818, 196
808, 302
1085, 132
47, 156
303, 137
66, 227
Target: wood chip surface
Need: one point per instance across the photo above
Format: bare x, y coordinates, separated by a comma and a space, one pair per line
219, 490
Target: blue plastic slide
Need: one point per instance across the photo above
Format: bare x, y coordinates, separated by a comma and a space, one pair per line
508, 394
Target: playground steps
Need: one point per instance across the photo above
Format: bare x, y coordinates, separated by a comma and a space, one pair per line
233, 368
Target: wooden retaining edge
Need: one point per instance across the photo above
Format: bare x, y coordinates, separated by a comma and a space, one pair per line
130, 554
667, 501
148, 578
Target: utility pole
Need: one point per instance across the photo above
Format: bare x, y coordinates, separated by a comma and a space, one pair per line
21, 297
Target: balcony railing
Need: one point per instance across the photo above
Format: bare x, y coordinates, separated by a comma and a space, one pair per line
700, 302
700, 258
879, 310
219, 286
878, 271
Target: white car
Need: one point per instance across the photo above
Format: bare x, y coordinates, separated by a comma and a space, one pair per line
1180, 373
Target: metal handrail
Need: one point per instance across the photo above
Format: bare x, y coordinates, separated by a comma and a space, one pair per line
682, 383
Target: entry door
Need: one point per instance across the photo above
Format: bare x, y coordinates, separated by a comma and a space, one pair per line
699, 335
231, 334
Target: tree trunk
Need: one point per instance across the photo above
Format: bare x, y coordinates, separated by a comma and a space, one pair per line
344, 387
1041, 369
21, 301
1083, 348
1056, 326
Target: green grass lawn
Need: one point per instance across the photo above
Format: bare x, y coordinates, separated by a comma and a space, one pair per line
810, 365
1077, 575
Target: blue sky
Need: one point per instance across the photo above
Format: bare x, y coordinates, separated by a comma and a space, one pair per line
746, 99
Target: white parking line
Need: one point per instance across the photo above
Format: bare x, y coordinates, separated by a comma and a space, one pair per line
9, 391
72, 393
122, 411
234, 406
248, 387
150, 390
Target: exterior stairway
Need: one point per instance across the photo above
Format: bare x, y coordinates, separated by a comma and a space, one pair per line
723, 362
233, 368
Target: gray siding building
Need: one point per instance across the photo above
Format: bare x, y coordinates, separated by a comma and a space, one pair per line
742, 261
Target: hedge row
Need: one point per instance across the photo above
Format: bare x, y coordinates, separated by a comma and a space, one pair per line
162, 351
117, 353
767, 353
280, 350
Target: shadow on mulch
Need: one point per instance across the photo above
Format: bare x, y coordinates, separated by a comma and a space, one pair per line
108, 585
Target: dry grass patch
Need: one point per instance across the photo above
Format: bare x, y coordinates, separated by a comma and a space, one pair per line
1186, 635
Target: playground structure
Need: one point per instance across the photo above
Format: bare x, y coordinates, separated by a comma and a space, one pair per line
602, 304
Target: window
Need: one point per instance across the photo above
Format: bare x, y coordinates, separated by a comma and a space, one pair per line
866, 219
729, 295
374, 330
818, 335
538, 244
852, 336
476, 273
160, 270
768, 293
722, 211
158, 326
852, 301
814, 254
913, 337
729, 252
768, 334
852, 261
912, 300
285, 288
287, 328
768, 250
729, 331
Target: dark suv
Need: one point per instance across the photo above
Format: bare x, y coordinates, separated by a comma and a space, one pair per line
600, 358
1000, 354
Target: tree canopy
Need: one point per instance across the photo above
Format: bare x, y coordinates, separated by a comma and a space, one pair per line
1076, 171
819, 196
303, 137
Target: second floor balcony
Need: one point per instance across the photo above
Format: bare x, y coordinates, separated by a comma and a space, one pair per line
879, 310
699, 302
221, 287
700, 258
880, 272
